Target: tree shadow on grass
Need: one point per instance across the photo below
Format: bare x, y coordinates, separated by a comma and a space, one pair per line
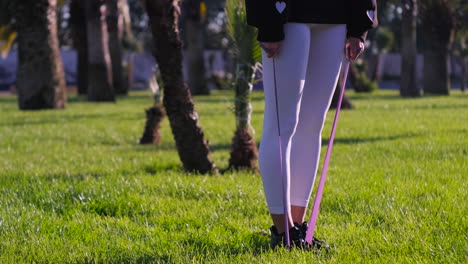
173, 167
358, 140
395, 96
165, 146
70, 118
8, 99
435, 107
339, 140
77, 99
222, 99
220, 147
364, 97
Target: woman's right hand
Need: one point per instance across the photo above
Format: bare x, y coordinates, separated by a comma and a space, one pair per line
272, 49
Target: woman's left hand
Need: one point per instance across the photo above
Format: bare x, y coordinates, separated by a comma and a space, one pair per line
354, 47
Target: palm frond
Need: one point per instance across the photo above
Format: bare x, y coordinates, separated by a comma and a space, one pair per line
7, 37
61, 3
248, 54
242, 35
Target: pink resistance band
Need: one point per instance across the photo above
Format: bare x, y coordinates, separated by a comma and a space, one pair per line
323, 176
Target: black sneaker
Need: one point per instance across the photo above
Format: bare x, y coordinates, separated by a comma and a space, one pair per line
316, 243
295, 236
275, 238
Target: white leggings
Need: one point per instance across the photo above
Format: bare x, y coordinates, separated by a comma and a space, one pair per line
307, 71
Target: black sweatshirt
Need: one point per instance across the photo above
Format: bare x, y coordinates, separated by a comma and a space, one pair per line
269, 16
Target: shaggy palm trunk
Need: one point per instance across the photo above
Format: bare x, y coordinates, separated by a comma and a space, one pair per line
346, 103
192, 148
100, 87
154, 117
358, 77
438, 27
376, 76
436, 75
80, 41
244, 153
40, 77
353, 76
464, 73
196, 63
115, 30
408, 82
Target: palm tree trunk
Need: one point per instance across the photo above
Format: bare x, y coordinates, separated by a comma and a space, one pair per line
196, 62
346, 103
115, 29
99, 63
354, 77
80, 41
376, 76
40, 77
436, 75
438, 25
192, 148
244, 153
464, 73
154, 116
408, 82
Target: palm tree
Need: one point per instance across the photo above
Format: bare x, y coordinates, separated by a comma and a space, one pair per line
461, 50
99, 63
438, 28
408, 83
115, 29
384, 41
80, 43
359, 79
248, 53
40, 77
193, 16
7, 32
154, 116
460, 47
192, 147
346, 103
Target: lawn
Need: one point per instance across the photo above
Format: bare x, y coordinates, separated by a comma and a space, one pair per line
76, 188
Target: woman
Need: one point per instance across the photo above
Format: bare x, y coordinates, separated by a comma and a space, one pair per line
303, 42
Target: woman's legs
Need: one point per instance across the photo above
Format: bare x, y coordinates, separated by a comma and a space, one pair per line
290, 71
324, 63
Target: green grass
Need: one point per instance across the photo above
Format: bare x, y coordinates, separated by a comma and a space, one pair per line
76, 188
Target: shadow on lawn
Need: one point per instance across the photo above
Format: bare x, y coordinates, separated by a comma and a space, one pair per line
8, 99
364, 97
227, 147
222, 99
396, 96
170, 146
67, 118
154, 169
435, 106
84, 98
357, 140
